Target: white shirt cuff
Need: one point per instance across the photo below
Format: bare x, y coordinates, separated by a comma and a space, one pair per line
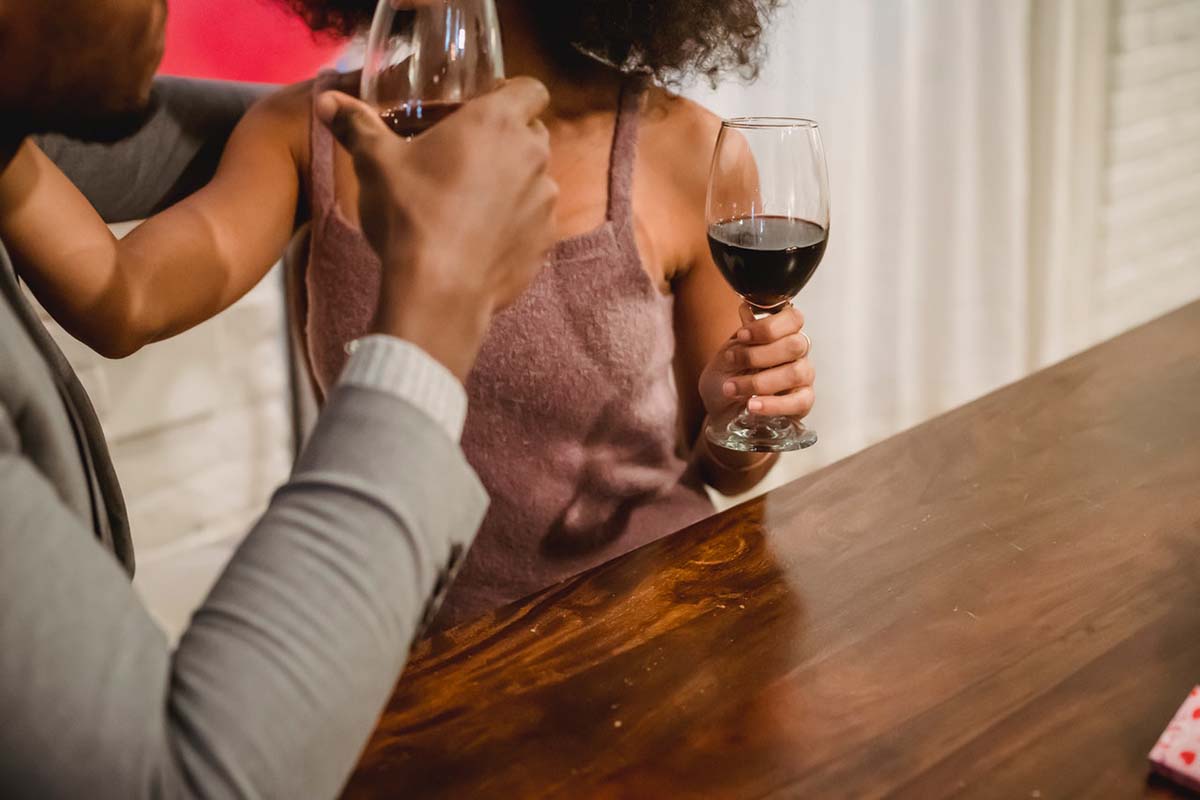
400, 368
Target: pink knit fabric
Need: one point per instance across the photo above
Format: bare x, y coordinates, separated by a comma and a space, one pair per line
573, 412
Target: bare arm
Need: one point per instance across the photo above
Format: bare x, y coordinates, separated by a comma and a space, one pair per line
179, 268
715, 369
706, 314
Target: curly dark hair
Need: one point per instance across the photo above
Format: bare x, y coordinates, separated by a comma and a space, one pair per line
666, 40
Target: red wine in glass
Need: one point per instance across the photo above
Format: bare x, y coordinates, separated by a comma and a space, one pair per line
768, 224
422, 64
411, 119
767, 259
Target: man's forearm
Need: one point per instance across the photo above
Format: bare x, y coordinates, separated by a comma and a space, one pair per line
279, 679
174, 154
330, 589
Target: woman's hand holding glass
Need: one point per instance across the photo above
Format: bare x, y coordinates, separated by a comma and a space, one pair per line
764, 366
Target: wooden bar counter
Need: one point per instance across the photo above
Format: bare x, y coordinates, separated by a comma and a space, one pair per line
1002, 602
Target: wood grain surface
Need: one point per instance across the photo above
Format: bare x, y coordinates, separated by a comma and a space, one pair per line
1003, 602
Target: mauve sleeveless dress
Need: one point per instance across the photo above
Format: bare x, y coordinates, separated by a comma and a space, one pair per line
573, 419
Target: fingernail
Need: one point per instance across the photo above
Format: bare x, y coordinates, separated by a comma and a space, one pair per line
743, 335
326, 108
755, 404
730, 357
730, 389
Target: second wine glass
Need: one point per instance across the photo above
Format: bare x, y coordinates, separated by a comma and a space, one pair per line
768, 224
422, 65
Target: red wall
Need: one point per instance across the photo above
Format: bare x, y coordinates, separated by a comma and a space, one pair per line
248, 40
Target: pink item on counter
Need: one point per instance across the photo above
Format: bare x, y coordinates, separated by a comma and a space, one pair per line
1177, 754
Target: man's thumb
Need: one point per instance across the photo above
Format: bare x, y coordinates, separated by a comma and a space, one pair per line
353, 123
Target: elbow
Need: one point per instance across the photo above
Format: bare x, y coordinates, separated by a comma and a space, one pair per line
116, 347
119, 331
115, 336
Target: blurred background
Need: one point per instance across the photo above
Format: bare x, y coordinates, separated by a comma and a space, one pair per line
1013, 181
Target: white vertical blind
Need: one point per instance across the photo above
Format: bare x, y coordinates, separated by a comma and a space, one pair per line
1013, 180
922, 301
1151, 204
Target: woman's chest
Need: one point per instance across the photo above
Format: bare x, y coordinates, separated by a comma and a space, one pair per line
580, 165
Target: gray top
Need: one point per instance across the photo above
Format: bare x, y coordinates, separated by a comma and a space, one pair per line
174, 154
277, 683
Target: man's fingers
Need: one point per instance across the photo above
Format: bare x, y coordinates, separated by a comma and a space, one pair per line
353, 123
525, 98
349, 82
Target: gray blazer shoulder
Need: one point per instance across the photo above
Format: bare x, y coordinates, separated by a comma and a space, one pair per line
174, 153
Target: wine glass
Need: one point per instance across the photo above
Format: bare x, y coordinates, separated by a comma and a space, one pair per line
422, 64
768, 223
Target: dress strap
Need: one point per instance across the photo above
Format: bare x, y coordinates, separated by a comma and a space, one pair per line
624, 155
322, 143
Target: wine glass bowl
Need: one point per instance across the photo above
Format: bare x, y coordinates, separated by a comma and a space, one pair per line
421, 65
768, 226
767, 259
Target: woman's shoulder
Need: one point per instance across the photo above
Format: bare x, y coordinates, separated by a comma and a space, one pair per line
295, 100
677, 119
280, 117
284, 116
678, 135
290, 106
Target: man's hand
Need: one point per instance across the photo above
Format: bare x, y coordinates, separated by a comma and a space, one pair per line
461, 216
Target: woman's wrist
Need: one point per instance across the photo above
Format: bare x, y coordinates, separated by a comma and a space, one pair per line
732, 460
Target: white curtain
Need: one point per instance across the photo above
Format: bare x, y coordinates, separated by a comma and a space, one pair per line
938, 282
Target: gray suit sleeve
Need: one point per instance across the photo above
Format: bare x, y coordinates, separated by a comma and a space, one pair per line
276, 685
172, 155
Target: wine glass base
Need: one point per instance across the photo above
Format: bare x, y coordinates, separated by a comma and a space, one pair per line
750, 433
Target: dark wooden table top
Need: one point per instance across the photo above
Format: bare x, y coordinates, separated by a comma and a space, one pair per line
1002, 602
